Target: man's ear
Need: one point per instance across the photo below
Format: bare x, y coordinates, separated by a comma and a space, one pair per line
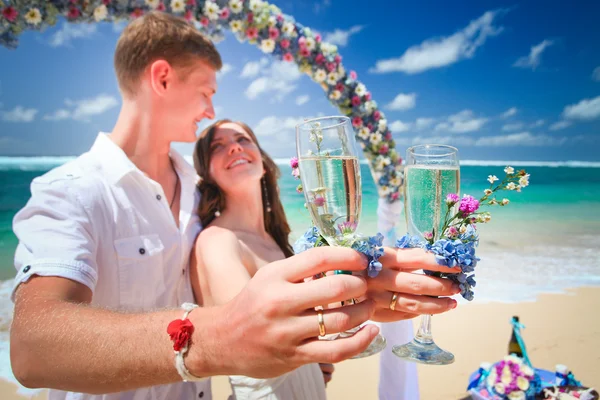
160, 75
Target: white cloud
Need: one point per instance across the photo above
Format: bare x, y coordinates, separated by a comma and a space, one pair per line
19, 114
596, 74
302, 99
520, 139
462, 141
70, 31
440, 52
586, 109
253, 68
279, 78
510, 112
402, 102
225, 69
462, 122
424, 123
82, 110
319, 6
512, 127
280, 126
340, 37
533, 59
560, 125
537, 123
399, 126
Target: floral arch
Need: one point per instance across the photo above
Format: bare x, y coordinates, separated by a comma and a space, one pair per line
257, 22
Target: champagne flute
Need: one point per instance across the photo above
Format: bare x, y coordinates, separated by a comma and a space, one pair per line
431, 173
330, 174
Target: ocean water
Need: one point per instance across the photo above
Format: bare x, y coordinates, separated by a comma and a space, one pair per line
545, 241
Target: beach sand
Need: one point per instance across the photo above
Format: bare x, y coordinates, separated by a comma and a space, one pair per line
560, 328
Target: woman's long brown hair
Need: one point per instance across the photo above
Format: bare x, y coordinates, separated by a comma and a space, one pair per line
212, 198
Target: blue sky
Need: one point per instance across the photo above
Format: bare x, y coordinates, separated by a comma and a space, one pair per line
500, 80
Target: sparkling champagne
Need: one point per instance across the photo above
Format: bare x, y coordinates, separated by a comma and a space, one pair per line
332, 188
426, 189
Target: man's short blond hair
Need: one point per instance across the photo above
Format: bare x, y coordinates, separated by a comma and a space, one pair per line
155, 36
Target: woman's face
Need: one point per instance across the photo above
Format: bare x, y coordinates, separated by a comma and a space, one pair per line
235, 158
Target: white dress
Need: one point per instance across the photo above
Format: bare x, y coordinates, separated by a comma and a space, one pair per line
304, 383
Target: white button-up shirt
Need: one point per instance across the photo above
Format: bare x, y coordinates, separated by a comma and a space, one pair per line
100, 221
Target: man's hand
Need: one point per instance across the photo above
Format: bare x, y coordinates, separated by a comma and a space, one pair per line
327, 370
417, 293
271, 327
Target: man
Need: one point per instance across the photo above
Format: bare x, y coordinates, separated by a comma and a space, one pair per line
103, 254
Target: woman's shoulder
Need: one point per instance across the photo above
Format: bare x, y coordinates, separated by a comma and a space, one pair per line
218, 238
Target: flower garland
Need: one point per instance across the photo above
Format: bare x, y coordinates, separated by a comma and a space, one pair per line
261, 24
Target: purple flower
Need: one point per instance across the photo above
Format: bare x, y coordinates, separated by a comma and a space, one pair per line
468, 205
452, 199
428, 235
319, 201
294, 162
347, 227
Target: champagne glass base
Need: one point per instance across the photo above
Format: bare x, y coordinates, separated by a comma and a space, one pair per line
377, 345
424, 353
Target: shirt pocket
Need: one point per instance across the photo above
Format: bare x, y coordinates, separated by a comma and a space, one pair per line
141, 271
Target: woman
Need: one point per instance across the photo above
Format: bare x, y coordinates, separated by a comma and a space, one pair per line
245, 228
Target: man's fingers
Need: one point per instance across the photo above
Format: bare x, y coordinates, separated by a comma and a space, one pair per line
387, 315
414, 304
321, 259
327, 368
336, 320
412, 260
328, 290
413, 283
334, 351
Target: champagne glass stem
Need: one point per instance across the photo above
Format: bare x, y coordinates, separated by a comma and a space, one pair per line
423, 335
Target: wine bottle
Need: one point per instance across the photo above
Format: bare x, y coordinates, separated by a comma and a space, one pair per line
513, 346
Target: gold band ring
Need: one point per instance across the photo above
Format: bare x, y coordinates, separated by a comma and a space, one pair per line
321, 323
393, 301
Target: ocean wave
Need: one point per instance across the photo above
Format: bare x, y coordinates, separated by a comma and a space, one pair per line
32, 163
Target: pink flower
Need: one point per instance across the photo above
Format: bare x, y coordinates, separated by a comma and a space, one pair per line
284, 43
106, 2
347, 227
370, 126
191, 2
304, 52
468, 205
10, 13
299, 188
189, 15
395, 196
353, 75
161, 7
337, 59
367, 96
452, 232
296, 173
273, 33
138, 12
279, 18
74, 13
331, 67
318, 38
250, 17
252, 33
320, 58
383, 149
452, 199
428, 235
376, 115
319, 201
357, 122
294, 162
340, 87
288, 57
225, 13
356, 101
204, 21
302, 41
388, 135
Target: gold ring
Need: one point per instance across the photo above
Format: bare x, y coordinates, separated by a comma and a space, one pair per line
393, 301
321, 323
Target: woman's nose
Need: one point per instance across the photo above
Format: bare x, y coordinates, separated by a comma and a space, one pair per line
234, 147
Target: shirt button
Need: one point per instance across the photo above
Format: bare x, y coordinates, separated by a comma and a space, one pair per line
158, 197
26, 269
201, 394
142, 250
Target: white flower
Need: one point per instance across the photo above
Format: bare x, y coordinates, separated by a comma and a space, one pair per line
236, 25
384, 190
381, 162
211, 10
326, 48
370, 106
272, 21
493, 202
487, 192
310, 43
341, 70
100, 13
335, 95
360, 90
500, 388
363, 132
178, 6
375, 138
382, 124
288, 28
485, 218
522, 383
511, 186
362, 145
463, 229
153, 4
267, 45
527, 371
509, 170
332, 78
236, 6
34, 16
395, 181
518, 395
320, 75
524, 181
255, 5
492, 178
505, 202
